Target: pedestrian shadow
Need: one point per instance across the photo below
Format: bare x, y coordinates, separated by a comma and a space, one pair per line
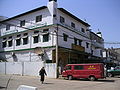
2, 87
48, 83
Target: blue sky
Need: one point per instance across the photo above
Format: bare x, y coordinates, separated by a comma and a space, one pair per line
100, 14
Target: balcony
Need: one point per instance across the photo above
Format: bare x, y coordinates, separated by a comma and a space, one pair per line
97, 45
78, 48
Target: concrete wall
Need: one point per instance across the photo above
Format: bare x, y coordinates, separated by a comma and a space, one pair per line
2, 68
32, 68
14, 68
27, 68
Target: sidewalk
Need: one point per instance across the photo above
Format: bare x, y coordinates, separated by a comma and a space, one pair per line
12, 82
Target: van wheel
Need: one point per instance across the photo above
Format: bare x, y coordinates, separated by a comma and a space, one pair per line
109, 74
92, 78
70, 77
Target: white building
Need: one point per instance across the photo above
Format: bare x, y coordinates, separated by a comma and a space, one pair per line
31, 36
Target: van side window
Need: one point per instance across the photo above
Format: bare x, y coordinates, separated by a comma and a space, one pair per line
78, 67
68, 68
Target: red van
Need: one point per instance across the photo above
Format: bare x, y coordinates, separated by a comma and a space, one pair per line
90, 71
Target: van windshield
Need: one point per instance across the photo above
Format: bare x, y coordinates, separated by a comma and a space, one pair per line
68, 67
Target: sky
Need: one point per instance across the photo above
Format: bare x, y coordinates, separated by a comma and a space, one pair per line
102, 15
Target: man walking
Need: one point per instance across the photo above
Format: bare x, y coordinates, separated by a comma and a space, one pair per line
42, 73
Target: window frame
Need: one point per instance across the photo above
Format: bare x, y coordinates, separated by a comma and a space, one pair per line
62, 19
75, 41
83, 30
18, 40
72, 24
87, 45
38, 18
22, 23
35, 39
4, 44
80, 42
65, 37
46, 37
8, 27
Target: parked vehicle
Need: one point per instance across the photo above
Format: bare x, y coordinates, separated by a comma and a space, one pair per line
90, 71
113, 72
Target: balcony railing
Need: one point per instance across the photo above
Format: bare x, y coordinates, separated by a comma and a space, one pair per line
97, 45
78, 47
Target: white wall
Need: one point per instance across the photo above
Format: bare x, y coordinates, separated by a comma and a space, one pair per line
27, 68
32, 68
2, 67
51, 70
14, 68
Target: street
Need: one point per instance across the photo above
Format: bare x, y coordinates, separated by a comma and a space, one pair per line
12, 82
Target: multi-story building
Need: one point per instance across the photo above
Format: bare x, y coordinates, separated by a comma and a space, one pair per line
97, 46
32, 36
118, 54
111, 57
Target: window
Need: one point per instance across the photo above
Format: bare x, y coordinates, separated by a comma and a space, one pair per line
82, 29
36, 39
8, 27
87, 45
25, 38
45, 30
36, 32
72, 24
80, 42
62, 19
4, 43
25, 34
65, 37
10, 41
75, 41
25, 41
39, 18
78, 67
18, 35
45, 37
18, 40
68, 67
22, 23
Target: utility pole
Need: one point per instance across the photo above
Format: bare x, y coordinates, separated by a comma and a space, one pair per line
57, 73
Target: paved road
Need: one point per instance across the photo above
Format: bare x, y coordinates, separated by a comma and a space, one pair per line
58, 84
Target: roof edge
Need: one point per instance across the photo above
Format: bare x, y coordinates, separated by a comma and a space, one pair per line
73, 16
40, 8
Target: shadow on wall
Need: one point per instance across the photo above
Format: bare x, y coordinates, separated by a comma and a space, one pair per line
15, 59
2, 57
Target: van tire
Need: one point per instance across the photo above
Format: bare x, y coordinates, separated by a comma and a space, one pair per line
109, 75
70, 77
92, 78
